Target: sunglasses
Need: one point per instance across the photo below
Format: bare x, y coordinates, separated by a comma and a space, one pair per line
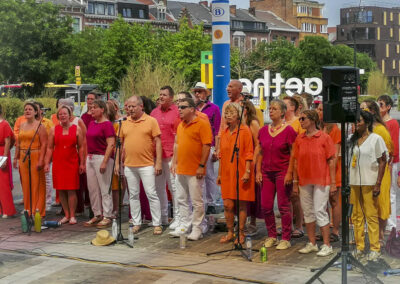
302, 118
183, 107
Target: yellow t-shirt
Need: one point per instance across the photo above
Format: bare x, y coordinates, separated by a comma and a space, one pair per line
297, 127
384, 133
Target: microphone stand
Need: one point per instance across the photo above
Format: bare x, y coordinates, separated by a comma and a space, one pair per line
120, 238
237, 245
29, 218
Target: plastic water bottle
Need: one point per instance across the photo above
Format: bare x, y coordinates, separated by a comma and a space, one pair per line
131, 236
249, 246
182, 239
263, 254
38, 222
114, 229
24, 223
51, 224
391, 272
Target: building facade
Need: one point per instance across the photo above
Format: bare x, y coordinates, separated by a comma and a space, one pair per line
305, 15
375, 31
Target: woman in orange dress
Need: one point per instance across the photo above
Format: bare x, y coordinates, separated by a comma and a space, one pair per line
38, 150
227, 170
7, 207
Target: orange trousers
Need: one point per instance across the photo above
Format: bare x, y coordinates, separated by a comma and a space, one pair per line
38, 183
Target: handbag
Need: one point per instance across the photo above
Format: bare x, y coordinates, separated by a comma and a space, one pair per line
393, 244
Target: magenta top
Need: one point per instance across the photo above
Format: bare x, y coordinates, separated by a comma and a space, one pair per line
276, 150
96, 136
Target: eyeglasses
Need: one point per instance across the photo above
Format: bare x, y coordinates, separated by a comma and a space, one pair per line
183, 107
302, 118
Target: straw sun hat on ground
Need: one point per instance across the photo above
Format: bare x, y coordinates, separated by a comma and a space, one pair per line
103, 238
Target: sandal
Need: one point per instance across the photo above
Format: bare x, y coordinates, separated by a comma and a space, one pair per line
298, 233
105, 223
157, 231
136, 229
73, 221
92, 222
241, 238
226, 239
334, 238
64, 220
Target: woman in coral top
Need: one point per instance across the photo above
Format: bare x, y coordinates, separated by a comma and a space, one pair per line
7, 207
314, 174
65, 141
38, 149
227, 170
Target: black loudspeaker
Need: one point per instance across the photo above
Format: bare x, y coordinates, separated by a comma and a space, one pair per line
340, 91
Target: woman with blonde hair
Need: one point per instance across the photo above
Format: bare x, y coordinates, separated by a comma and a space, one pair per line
227, 171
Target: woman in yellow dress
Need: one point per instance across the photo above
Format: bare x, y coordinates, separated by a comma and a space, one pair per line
38, 150
379, 127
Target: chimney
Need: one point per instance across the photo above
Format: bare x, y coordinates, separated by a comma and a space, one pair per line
232, 9
204, 3
252, 10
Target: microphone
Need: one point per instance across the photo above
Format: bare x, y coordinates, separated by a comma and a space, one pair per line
120, 120
45, 108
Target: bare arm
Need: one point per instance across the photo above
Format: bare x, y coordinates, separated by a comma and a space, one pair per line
381, 172
49, 151
259, 155
83, 130
205, 152
158, 165
43, 145
332, 173
110, 147
81, 150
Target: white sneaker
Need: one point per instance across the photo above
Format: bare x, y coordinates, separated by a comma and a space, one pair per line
325, 250
374, 255
358, 254
195, 235
309, 248
283, 244
178, 231
270, 242
174, 224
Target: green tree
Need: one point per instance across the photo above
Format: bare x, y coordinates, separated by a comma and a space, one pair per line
378, 84
31, 39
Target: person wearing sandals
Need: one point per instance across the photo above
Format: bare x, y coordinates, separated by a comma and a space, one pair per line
314, 173
139, 133
334, 199
65, 148
368, 160
254, 209
100, 137
227, 171
274, 149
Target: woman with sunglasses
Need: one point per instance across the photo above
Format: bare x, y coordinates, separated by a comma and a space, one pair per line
368, 161
379, 127
314, 174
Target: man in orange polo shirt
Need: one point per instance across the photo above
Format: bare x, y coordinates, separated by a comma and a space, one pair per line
138, 134
193, 139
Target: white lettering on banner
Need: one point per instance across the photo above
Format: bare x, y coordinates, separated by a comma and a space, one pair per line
292, 86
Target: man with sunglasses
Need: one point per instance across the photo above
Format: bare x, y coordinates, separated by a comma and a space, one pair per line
201, 95
193, 142
385, 105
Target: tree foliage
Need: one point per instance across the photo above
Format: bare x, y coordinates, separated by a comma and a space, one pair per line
378, 84
32, 38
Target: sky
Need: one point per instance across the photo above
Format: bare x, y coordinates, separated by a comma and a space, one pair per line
331, 9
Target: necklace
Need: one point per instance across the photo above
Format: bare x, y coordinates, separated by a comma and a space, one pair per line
277, 127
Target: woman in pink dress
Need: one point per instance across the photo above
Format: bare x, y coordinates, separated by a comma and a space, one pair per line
65, 147
7, 207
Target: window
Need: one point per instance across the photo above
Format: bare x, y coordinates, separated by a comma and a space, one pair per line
110, 10
342, 32
314, 28
161, 13
306, 27
127, 12
90, 9
324, 29
394, 64
258, 26
387, 50
302, 9
264, 40
391, 32
237, 25
76, 25
100, 9
384, 18
141, 14
253, 43
310, 11
293, 40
